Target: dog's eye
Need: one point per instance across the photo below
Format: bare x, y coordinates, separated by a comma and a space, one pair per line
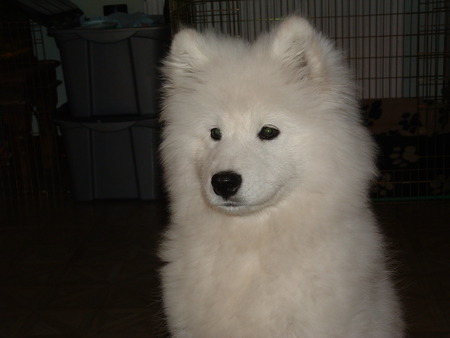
268, 133
216, 134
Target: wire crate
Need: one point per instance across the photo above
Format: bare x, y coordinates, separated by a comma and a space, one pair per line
30, 155
399, 51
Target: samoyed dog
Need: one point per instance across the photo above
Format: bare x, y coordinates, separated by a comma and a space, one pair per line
267, 168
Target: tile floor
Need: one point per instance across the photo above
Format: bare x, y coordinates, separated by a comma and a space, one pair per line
72, 269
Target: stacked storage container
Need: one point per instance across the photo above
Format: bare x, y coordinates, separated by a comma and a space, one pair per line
112, 82
111, 129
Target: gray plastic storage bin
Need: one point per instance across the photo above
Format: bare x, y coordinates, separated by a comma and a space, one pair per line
112, 71
114, 159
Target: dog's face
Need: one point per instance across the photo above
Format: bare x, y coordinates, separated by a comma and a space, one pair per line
247, 156
247, 124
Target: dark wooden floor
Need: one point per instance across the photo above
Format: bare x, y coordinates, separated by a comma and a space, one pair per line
72, 269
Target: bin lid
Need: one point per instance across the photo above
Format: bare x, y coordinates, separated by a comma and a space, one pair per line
52, 13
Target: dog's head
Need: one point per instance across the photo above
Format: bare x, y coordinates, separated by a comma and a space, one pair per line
247, 125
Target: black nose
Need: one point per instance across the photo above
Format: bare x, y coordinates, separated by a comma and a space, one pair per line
226, 183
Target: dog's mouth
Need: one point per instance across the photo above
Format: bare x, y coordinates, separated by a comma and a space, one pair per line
230, 204
232, 207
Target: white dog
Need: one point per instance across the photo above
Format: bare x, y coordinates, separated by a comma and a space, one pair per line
267, 167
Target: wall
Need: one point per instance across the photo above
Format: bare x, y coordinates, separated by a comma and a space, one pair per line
95, 8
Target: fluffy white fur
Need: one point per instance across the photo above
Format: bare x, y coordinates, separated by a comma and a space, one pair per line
297, 253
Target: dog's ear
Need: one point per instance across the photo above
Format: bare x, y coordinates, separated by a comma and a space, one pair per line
188, 51
299, 47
